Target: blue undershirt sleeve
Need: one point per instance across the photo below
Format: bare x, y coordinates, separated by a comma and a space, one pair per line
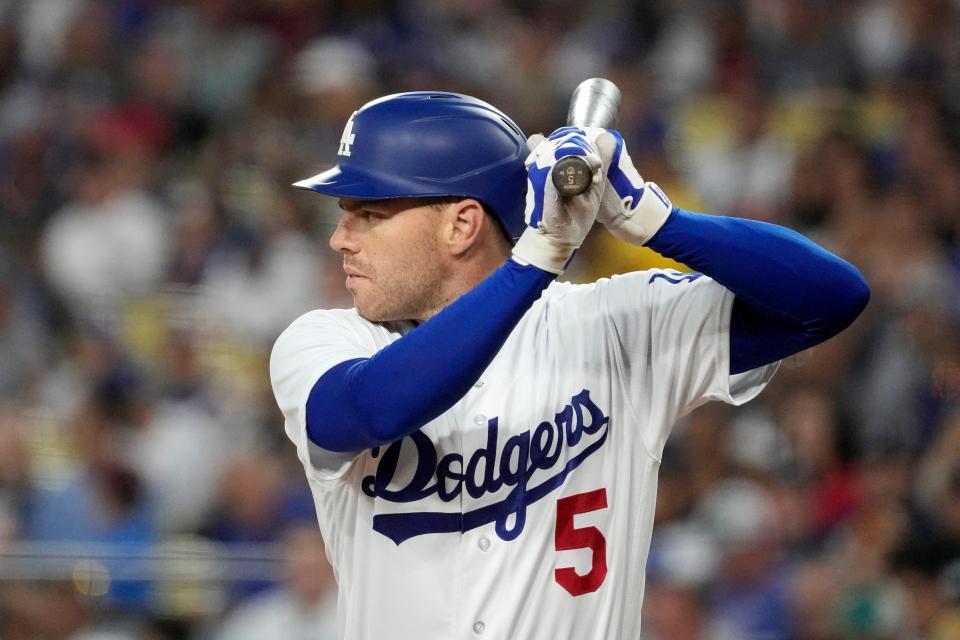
791, 294
367, 402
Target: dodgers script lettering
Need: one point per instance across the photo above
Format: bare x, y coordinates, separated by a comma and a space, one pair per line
520, 464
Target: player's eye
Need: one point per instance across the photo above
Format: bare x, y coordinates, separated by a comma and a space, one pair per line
370, 214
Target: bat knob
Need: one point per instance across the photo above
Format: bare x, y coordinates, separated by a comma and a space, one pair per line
571, 176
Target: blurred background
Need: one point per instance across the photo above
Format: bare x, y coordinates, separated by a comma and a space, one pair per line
151, 250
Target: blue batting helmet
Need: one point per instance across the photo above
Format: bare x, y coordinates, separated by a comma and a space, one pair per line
425, 143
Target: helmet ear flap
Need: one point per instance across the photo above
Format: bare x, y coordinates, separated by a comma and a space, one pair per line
428, 144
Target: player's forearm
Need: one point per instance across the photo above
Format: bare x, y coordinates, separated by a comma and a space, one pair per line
790, 293
373, 401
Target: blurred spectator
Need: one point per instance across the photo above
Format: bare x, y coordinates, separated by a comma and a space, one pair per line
749, 596
42, 26
813, 596
937, 481
109, 243
832, 487
801, 46
304, 607
254, 292
21, 334
746, 172
103, 501
335, 67
683, 57
196, 231
900, 399
329, 79
54, 611
881, 37
179, 451
673, 613
228, 55
254, 500
14, 475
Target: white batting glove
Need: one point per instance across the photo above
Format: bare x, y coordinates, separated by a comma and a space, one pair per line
631, 209
557, 226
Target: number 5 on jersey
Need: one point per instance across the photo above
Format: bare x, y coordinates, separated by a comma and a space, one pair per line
569, 537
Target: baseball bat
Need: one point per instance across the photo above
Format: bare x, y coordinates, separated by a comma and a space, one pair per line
595, 103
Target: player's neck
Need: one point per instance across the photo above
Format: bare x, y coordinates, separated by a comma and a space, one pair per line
468, 275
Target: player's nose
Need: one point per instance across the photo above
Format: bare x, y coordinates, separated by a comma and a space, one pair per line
343, 239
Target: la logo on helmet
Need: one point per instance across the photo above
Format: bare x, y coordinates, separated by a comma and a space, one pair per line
348, 137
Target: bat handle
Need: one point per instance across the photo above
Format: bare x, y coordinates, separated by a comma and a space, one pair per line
595, 103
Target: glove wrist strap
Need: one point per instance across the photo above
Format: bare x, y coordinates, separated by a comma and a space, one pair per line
540, 250
640, 223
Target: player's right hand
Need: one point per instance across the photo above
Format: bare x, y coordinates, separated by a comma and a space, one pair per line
556, 226
632, 210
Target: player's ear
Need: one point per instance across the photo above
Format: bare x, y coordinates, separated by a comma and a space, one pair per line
466, 221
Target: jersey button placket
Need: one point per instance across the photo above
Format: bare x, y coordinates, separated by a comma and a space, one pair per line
483, 542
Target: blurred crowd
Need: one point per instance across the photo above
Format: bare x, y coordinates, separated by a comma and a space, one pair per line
151, 250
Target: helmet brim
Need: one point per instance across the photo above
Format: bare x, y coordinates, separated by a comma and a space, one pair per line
345, 182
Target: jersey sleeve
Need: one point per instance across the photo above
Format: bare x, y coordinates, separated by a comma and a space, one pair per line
313, 344
674, 329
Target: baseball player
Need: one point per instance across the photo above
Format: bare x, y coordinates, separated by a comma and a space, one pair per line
482, 442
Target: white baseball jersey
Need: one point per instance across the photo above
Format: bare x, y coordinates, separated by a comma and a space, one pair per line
525, 511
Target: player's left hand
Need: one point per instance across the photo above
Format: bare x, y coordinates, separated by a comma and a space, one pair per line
631, 209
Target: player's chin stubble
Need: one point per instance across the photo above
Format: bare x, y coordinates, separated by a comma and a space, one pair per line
412, 290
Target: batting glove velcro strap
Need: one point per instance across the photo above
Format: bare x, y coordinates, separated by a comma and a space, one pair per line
639, 224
